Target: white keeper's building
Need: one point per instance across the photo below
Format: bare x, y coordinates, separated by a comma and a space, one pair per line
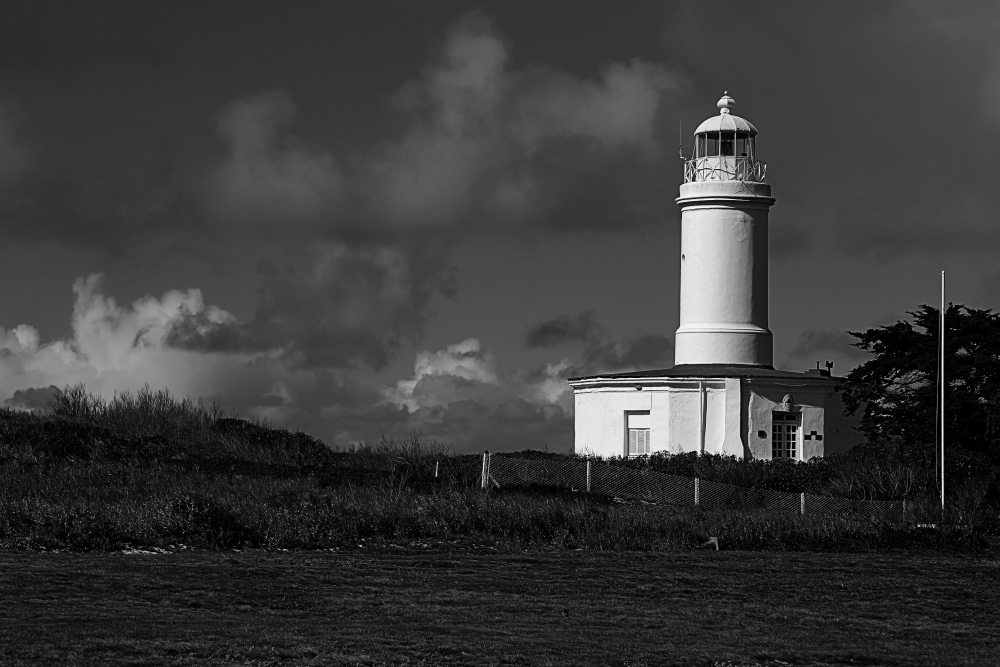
723, 395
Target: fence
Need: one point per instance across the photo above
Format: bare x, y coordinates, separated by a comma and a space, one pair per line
725, 168
655, 487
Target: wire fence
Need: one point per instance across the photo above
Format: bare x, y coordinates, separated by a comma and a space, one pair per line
645, 485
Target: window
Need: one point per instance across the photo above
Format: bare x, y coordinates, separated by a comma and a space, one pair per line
784, 435
637, 425
727, 144
712, 147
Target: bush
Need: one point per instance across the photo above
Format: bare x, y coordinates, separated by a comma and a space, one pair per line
151, 471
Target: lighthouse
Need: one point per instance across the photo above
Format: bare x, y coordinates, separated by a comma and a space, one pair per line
724, 204
723, 394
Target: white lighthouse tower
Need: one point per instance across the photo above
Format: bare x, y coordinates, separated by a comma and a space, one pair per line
724, 204
723, 394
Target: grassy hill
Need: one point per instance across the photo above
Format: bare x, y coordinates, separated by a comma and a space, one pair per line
148, 470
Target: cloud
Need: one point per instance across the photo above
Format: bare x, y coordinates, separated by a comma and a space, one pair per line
117, 348
641, 351
482, 144
457, 396
112, 347
32, 398
600, 355
335, 305
548, 382
508, 146
443, 375
582, 327
106, 187
340, 305
269, 174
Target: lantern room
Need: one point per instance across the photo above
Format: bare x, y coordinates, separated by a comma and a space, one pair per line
725, 149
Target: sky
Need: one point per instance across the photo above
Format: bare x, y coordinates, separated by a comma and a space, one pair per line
374, 218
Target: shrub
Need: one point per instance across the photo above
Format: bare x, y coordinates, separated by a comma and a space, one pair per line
148, 470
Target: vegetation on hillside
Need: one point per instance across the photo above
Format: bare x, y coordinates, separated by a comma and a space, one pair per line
149, 470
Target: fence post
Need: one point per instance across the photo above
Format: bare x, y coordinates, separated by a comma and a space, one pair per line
482, 481
588, 475
697, 491
802, 504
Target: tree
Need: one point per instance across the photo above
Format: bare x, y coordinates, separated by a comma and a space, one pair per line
898, 386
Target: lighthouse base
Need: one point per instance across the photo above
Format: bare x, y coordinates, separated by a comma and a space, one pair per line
742, 411
749, 346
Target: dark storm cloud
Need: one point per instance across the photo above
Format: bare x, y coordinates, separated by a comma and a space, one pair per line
343, 303
634, 353
112, 189
33, 398
270, 175
337, 305
482, 145
598, 354
473, 143
582, 327
49, 34
13, 160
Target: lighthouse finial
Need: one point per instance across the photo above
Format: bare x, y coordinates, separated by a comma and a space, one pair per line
725, 103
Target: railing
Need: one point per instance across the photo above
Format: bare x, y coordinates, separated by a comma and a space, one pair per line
660, 488
725, 168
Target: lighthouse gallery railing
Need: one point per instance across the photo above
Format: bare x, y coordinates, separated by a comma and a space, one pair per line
725, 168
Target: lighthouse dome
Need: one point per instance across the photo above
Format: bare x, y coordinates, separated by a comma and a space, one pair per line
726, 121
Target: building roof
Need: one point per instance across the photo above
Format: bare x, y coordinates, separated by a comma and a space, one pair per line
726, 121
708, 371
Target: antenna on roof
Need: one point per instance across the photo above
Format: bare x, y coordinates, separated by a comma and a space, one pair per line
680, 139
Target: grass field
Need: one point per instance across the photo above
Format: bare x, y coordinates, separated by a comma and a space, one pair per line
475, 607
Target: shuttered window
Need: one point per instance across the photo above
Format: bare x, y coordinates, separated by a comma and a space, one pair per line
638, 433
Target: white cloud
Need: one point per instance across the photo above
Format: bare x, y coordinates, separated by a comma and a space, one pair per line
121, 348
463, 362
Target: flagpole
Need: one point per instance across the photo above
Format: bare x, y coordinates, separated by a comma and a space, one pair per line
941, 318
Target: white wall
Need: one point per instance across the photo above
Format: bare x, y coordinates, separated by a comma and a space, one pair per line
685, 428
735, 411
715, 421
600, 420
659, 417
759, 425
723, 304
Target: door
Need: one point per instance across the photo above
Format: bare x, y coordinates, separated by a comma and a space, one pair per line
784, 435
